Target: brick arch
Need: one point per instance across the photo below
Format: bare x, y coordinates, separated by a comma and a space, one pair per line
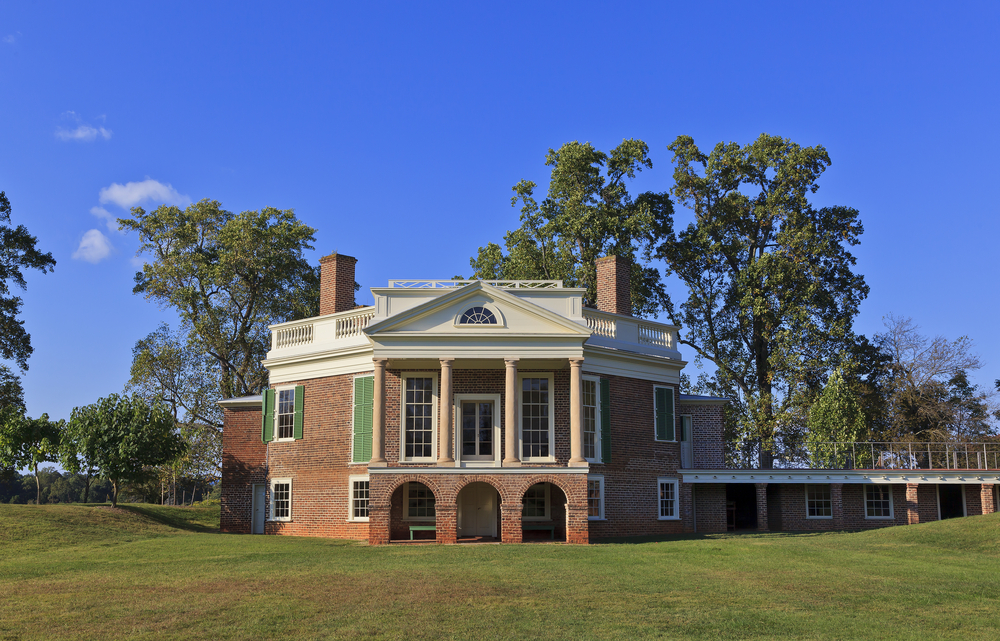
542, 478
425, 479
502, 490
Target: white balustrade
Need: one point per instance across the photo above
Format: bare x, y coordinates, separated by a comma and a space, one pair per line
656, 336
600, 325
293, 336
353, 324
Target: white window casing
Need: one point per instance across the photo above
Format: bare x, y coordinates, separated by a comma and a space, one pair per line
595, 497
668, 499
537, 503
819, 501
591, 418
533, 406
281, 500
460, 458
284, 413
423, 503
358, 496
423, 426
878, 502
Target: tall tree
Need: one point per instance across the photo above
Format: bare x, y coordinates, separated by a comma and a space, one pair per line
18, 253
26, 442
588, 213
835, 419
228, 276
771, 291
127, 435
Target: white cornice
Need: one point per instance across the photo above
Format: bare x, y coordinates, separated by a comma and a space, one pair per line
486, 471
943, 477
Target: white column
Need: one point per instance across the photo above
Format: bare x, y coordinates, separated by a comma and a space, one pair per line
445, 457
575, 414
510, 457
378, 415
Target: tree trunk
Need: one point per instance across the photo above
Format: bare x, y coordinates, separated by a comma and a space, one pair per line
86, 488
38, 487
114, 493
763, 367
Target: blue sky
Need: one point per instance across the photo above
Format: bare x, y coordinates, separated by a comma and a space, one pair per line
397, 130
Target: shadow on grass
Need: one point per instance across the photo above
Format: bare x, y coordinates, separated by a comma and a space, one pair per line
181, 518
665, 538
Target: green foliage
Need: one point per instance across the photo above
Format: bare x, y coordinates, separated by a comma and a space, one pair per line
18, 252
26, 442
228, 276
835, 418
124, 435
771, 295
588, 213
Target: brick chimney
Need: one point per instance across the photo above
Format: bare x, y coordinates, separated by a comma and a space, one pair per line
336, 284
614, 287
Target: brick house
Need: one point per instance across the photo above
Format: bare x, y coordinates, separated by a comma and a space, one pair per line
472, 410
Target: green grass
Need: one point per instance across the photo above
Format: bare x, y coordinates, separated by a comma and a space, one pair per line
80, 572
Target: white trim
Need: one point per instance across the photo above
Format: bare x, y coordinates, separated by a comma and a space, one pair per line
674, 405
937, 492
597, 458
406, 505
501, 320
278, 389
806, 493
551, 458
474, 470
457, 429
599, 478
941, 477
402, 417
270, 501
548, 503
892, 497
351, 480
350, 458
677, 499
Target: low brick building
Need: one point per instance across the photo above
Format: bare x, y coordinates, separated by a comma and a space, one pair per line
471, 410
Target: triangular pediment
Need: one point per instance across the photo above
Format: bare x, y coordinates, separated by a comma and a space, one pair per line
443, 316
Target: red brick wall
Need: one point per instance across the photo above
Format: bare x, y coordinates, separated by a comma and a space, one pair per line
787, 509
710, 507
706, 432
336, 283
927, 503
243, 464
614, 287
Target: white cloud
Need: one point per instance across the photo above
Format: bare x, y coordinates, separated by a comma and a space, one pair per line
109, 219
94, 247
131, 194
12, 38
83, 133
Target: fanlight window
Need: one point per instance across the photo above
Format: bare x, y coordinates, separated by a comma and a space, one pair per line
478, 316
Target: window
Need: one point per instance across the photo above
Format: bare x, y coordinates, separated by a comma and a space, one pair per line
364, 403
286, 413
878, 501
358, 508
663, 413
477, 430
478, 316
819, 505
419, 417
536, 418
281, 499
419, 501
668, 499
591, 420
536, 503
595, 497
281, 413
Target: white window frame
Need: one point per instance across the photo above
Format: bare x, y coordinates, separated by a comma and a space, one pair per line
351, 480
350, 459
547, 516
892, 512
270, 502
597, 458
402, 417
457, 414
406, 505
677, 499
600, 479
277, 403
965, 505
501, 320
806, 492
551, 458
671, 390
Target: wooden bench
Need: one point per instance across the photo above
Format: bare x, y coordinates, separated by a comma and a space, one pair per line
551, 529
422, 528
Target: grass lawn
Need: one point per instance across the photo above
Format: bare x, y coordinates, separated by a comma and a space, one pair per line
81, 572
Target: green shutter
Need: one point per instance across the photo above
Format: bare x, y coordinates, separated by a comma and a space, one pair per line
267, 417
300, 397
605, 420
364, 397
664, 414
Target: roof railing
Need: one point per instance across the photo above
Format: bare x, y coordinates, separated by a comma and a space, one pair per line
505, 284
883, 455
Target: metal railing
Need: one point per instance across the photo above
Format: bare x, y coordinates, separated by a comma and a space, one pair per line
874, 455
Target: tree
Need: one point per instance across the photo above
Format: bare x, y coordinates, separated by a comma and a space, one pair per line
587, 214
834, 419
26, 442
771, 295
228, 277
126, 435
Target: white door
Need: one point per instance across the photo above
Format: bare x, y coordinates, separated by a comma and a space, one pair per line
687, 449
477, 510
258, 509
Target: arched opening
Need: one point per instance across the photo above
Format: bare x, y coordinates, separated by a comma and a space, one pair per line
412, 514
543, 513
478, 513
